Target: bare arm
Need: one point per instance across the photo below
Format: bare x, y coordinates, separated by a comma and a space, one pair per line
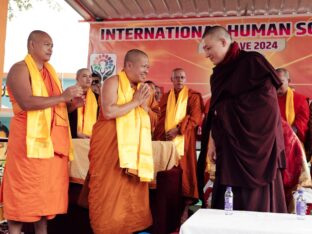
19, 83
109, 99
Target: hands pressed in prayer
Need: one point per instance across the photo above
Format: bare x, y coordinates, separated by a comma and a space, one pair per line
141, 95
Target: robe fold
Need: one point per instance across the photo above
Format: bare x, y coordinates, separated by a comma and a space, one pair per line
188, 127
246, 127
33, 187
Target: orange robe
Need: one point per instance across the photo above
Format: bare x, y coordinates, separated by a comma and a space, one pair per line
194, 114
33, 188
118, 202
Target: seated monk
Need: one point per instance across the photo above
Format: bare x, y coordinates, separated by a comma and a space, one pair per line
296, 173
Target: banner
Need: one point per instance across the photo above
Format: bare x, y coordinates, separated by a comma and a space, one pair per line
284, 41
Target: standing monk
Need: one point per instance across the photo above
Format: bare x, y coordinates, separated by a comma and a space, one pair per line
293, 106
35, 182
120, 154
246, 137
83, 118
181, 113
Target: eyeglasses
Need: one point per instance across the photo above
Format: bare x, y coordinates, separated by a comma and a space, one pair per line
95, 82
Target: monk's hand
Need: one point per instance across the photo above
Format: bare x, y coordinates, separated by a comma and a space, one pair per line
72, 92
172, 133
78, 101
141, 94
211, 152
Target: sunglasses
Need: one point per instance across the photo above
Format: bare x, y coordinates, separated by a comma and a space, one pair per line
95, 82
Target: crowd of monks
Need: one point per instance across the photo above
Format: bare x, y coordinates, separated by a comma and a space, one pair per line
255, 130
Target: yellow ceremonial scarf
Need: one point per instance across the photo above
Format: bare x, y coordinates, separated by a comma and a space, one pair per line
134, 134
87, 119
175, 112
290, 106
38, 137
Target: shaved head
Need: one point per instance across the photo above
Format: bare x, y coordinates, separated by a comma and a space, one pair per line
217, 32
132, 56
35, 35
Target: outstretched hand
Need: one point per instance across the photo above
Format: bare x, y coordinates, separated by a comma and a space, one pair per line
72, 92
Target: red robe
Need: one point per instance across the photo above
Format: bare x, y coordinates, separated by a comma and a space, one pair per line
301, 114
194, 114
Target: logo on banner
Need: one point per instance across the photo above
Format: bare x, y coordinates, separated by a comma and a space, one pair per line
103, 64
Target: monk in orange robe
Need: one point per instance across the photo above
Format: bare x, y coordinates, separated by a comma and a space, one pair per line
186, 127
118, 200
35, 182
82, 119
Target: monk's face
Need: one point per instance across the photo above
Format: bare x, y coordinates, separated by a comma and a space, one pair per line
137, 70
41, 47
283, 89
178, 79
84, 79
158, 93
215, 48
96, 84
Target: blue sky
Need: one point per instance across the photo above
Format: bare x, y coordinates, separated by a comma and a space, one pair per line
70, 37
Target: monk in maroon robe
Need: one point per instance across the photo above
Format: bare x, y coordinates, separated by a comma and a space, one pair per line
246, 138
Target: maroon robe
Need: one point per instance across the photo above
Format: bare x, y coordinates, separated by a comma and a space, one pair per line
246, 127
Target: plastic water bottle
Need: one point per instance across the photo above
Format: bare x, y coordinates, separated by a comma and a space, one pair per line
300, 205
228, 201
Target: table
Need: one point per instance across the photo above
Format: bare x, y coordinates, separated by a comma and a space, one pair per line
242, 222
164, 154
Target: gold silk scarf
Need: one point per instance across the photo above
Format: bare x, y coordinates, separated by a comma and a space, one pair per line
38, 137
175, 113
290, 107
134, 135
87, 115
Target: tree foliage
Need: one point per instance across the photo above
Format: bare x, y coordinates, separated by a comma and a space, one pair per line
22, 5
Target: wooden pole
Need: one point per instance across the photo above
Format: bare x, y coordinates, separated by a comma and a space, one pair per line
3, 24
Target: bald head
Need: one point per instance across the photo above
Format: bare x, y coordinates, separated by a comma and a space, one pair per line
217, 42
217, 32
40, 46
133, 55
36, 35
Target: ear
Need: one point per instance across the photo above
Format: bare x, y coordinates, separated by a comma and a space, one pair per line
223, 41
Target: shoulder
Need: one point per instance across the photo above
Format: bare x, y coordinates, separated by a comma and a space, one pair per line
111, 81
18, 67
252, 56
300, 97
18, 70
194, 94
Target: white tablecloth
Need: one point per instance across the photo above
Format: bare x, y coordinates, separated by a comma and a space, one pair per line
206, 221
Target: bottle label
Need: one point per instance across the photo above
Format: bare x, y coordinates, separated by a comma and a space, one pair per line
228, 203
300, 208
